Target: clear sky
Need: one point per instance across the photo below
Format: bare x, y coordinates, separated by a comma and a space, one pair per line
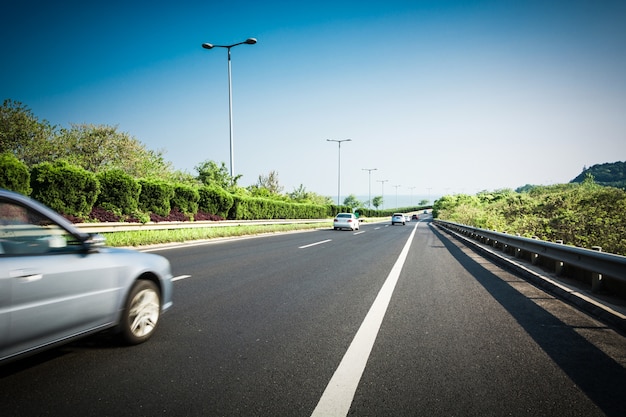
439, 96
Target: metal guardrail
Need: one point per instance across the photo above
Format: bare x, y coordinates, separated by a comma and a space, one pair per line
599, 263
127, 227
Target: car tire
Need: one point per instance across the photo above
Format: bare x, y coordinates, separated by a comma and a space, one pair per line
141, 313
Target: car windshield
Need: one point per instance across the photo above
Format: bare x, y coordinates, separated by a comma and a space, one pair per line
344, 215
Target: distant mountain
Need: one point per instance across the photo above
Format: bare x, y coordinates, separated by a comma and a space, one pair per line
608, 174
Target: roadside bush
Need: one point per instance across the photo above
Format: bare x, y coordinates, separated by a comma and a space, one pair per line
155, 196
215, 200
119, 192
185, 199
14, 174
65, 188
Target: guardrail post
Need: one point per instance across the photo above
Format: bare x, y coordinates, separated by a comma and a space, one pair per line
534, 257
596, 279
559, 265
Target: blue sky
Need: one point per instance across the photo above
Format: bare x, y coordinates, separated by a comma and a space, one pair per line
440, 96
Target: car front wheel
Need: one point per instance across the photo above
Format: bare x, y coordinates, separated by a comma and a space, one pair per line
141, 313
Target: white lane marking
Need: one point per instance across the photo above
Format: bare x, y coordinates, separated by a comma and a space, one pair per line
339, 392
178, 278
358, 233
313, 244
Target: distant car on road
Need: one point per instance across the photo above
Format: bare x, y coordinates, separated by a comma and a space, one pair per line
415, 217
58, 284
398, 218
346, 221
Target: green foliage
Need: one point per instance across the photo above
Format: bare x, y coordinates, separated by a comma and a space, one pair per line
186, 198
23, 135
377, 201
14, 174
215, 200
301, 195
583, 215
209, 173
352, 202
119, 192
100, 148
155, 196
64, 187
251, 208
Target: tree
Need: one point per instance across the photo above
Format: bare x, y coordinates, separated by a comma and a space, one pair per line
23, 135
351, 201
377, 201
270, 183
301, 195
209, 173
98, 148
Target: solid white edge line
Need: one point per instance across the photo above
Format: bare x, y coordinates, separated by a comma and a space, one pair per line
339, 392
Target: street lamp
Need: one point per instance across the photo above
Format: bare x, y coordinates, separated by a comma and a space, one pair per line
383, 192
369, 202
339, 168
249, 41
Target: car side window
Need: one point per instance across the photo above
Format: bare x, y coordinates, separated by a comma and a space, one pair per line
24, 231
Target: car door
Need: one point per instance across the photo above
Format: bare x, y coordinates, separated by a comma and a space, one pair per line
56, 289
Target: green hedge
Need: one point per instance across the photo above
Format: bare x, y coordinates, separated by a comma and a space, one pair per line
14, 174
155, 196
251, 208
65, 188
215, 200
119, 192
185, 199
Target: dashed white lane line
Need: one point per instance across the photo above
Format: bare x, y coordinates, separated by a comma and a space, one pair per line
314, 244
339, 392
178, 278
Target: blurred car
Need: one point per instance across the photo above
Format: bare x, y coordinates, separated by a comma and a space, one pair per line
398, 218
408, 218
57, 283
415, 217
346, 221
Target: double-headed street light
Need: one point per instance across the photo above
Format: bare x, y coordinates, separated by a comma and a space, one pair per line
339, 168
369, 203
249, 41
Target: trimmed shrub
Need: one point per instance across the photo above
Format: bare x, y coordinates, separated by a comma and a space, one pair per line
66, 188
155, 196
215, 200
185, 199
14, 174
119, 192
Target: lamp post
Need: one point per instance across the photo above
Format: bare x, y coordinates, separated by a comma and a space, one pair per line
383, 192
369, 202
397, 186
339, 166
412, 188
249, 41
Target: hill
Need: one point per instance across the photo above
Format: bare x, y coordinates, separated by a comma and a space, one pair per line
608, 174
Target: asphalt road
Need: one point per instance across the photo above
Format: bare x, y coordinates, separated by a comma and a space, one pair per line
387, 321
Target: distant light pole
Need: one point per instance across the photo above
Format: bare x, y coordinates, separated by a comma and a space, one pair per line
383, 192
397, 186
249, 41
339, 167
369, 202
411, 188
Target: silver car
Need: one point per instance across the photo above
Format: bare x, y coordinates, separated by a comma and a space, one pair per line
346, 221
57, 284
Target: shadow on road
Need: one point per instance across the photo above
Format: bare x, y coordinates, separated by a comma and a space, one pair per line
600, 377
